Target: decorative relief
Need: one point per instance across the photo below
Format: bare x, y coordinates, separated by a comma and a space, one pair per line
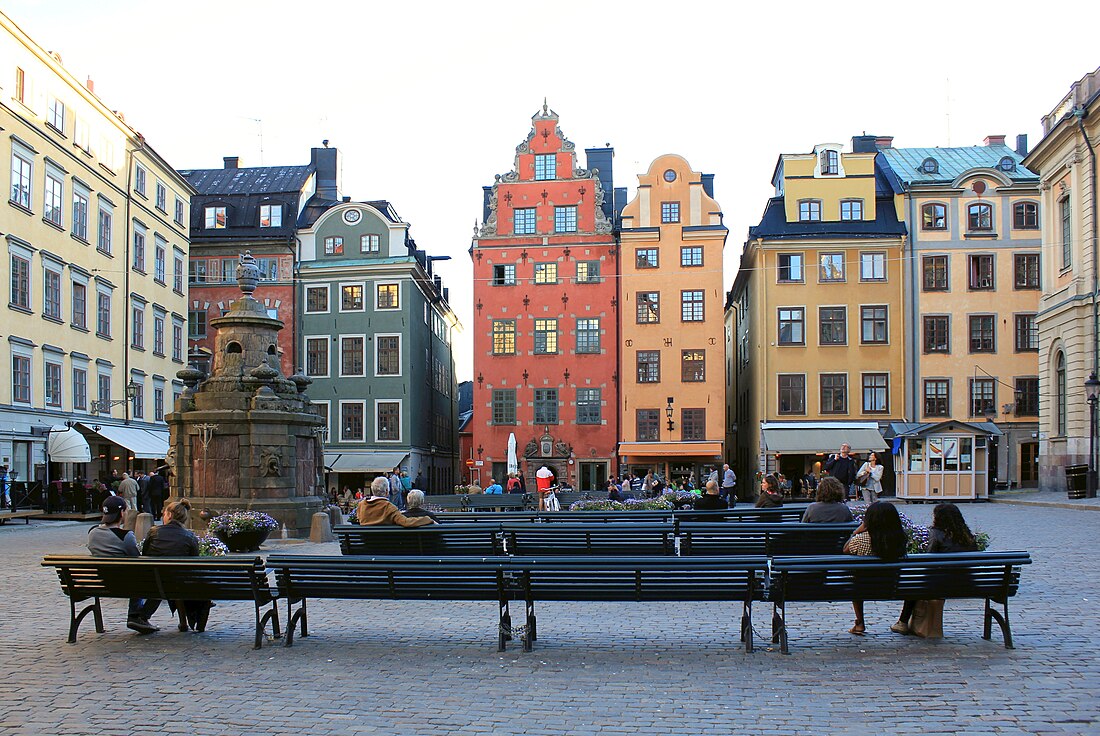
271, 462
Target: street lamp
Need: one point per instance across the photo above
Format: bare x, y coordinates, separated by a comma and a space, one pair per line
668, 416
104, 405
1092, 390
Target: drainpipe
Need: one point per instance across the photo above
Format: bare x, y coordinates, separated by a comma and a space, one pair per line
1080, 113
126, 276
293, 245
911, 343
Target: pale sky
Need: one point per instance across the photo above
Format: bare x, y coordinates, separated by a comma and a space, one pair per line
427, 100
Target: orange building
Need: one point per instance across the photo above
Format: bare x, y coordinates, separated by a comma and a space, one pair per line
545, 313
672, 354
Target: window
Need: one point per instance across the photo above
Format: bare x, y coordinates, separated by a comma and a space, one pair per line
177, 273
934, 217
792, 393
161, 198
649, 366
523, 221
504, 275
389, 421
51, 294
21, 178
20, 85
334, 246
872, 266
851, 209
158, 334
935, 273
504, 406
546, 167
691, 256
80, 389
830, 162
1025, 216
981, 272
876, 393
649, 307
1027, 397
790, 266
387, 296
937, 334
104, 387
646, 258
1007, 164
833, 325
832, 267
55, 114
369, 243
137, 316
80, 305
271, 215
177, 340
80, 215
197, 272
104, 243
316, 299
693, 366
874, 324
792, 326
139, 179
53, 384
196, 323
834, 393
937, 398
546, 336
589, 406
388, 357
159, 266
351, 298
20, 282
546, 273
565, 219
317, 356
1027, 334
21, 379
979, 217
103, 315
504, 337
546, 406
1067, 231
588, 335
691, 306
588, 272
351, 421
139, 252
648, 425
179, 217
809, 210
51, 206
983, 396
1026, 270
1060, 414
158, 403
352, 356
670, 212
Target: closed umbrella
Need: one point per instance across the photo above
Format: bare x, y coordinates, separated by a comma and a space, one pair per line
513, 461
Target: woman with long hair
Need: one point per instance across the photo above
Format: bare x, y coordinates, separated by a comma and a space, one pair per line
880, 535
173, 539
770, 494
869, 478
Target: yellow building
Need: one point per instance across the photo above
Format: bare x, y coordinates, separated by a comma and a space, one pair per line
816, 327
672, 355
972, 294
96, 234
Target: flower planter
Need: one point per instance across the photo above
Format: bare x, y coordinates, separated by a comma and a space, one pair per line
244, 541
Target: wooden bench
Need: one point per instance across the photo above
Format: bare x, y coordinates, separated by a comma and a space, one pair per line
992, 576
780, 515
478, 540
609, 540
481, 501
24, 514
166, 578
773, 540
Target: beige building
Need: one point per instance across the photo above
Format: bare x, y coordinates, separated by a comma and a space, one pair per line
1065, 160
96, 238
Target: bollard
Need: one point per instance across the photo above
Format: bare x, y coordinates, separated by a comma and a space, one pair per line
320, 529
129, 519
142, 526
336, 517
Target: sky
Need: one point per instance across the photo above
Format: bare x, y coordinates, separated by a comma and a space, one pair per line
427, 101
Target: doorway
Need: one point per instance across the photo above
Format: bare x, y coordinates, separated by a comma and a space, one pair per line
1029, 464
593, 476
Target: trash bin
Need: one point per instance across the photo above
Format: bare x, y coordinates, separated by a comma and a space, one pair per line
1077, 480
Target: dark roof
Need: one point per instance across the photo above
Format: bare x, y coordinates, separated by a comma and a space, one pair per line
255, 180
317, 206
774, 224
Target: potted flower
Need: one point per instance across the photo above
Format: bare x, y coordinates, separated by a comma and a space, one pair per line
243, 531
211, 546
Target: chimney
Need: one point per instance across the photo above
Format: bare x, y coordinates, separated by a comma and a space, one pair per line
327, 165
884, 141
708, 184
232, 162
994, 140
864, 143
602, 158
90, 85
1021, 145
345, 199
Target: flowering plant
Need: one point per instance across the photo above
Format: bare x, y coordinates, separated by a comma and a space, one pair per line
679, 499
236, 522
918, 535
630, 504
211, 546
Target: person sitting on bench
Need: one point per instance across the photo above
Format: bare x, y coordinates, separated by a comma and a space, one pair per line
376, 510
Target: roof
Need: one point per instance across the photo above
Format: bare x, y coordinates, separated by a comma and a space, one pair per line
953, 163
774, 224
913, 429
813, 437
255, 180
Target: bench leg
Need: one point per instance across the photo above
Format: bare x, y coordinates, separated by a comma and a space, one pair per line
992, 614
75, 618
97, 614
529, 634
295, 619
504, 626
779, 627
261, 623
746, 626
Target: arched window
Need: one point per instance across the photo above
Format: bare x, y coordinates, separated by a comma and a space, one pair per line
930, 166
1025, 216
1060, 394
233, 348
934, 217
1007, 164
980, 216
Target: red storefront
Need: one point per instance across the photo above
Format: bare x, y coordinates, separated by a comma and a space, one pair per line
546, 314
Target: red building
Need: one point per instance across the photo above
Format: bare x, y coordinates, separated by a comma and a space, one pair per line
546, 314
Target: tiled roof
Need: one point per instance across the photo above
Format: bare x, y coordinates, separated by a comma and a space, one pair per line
255, 180
953, 162
774, 224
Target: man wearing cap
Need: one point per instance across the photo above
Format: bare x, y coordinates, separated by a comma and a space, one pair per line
109, 539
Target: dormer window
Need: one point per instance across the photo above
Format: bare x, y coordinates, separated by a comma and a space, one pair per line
271, 215
809, 210
930, 166
1007, 164
830, 162
215, 218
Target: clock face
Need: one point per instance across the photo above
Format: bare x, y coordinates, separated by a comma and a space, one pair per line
352, 216
670, 175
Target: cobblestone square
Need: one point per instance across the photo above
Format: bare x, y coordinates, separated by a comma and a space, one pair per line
433, 668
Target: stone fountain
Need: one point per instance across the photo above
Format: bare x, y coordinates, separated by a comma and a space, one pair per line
246, 437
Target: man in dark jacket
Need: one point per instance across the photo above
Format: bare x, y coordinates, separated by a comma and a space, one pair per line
109, 539
843, 468
155, 491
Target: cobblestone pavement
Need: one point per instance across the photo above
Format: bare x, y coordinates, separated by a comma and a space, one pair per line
433, 668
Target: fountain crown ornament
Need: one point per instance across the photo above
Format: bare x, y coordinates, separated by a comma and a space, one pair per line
248, 274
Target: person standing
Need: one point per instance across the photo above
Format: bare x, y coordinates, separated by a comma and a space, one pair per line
729, 485
128, 489
109, 539
155, 491
143, 491
842, 466
5, 494
514, 486
494, 487
419, 482
406, 486
395, 496
869, 478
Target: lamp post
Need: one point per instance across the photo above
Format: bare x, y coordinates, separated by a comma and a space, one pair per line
668, 416
104, 405
1092, 390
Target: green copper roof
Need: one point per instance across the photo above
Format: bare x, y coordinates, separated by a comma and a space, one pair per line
908, 163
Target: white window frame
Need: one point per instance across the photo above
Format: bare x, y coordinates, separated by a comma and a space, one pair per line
53, 197
326, 413
274, 212
210, 217
328, 299
21, 351
108, 211
25, 198
340, 419
400, 357
862, 263
377, 288
161, 200
370, 243
180, 215
141, 177
362, 355
58, 363
400, 421
82, 197
327, 339
363, 308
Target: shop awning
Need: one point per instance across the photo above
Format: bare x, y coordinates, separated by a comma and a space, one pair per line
671, 449
66, 445
364, 462
145, 444
822, 437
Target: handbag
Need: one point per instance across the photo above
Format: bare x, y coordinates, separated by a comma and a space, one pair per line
927, 621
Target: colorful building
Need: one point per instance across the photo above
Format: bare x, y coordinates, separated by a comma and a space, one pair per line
671, 348
546, 313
